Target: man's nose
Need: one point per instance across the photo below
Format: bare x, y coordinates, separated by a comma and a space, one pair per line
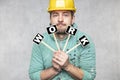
60, 18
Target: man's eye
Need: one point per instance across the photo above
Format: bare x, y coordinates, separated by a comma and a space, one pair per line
55, 15
66, 15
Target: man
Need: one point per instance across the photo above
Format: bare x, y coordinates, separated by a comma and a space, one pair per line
79, 64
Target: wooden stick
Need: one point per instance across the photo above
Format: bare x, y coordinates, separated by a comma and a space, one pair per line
66, 42
48, 46
56, 42
73, 48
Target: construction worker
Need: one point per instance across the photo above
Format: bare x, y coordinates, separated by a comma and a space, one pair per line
79, 64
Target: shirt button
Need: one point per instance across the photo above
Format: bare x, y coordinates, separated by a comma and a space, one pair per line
74, 54
67, 49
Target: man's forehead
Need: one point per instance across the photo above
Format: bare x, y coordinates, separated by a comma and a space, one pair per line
61, 11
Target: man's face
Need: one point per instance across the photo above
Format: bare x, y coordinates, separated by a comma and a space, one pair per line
62, 19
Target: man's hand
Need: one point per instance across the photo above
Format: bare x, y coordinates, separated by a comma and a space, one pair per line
56, 66
61, 58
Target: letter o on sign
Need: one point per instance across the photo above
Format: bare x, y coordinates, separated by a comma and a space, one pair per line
51, 29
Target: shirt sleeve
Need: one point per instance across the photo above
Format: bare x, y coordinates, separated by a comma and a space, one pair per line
36, 63
88, 62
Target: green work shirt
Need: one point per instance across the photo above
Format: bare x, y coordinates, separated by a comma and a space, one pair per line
81, 57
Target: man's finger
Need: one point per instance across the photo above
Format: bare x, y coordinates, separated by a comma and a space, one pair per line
56, 61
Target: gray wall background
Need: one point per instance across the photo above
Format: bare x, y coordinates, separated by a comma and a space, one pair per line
21, 20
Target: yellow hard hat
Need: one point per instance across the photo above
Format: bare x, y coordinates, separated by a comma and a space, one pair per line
61, 5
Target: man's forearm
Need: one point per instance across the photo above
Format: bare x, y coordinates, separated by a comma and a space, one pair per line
74, 71
48, 73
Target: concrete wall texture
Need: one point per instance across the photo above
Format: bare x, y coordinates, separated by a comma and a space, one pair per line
21, 20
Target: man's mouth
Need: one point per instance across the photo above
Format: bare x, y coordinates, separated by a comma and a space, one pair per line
61, 24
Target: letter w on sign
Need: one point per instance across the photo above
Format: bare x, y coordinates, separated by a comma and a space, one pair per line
84, 41
38, 38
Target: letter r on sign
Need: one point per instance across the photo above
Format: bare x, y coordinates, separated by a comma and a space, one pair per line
71, 30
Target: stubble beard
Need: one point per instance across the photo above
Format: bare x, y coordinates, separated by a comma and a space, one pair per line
61, 32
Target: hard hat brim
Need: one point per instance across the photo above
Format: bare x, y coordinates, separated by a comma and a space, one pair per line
68, 9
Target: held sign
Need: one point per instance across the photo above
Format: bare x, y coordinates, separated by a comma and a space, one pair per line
38, 38
71, 30
51, 29
84, 41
